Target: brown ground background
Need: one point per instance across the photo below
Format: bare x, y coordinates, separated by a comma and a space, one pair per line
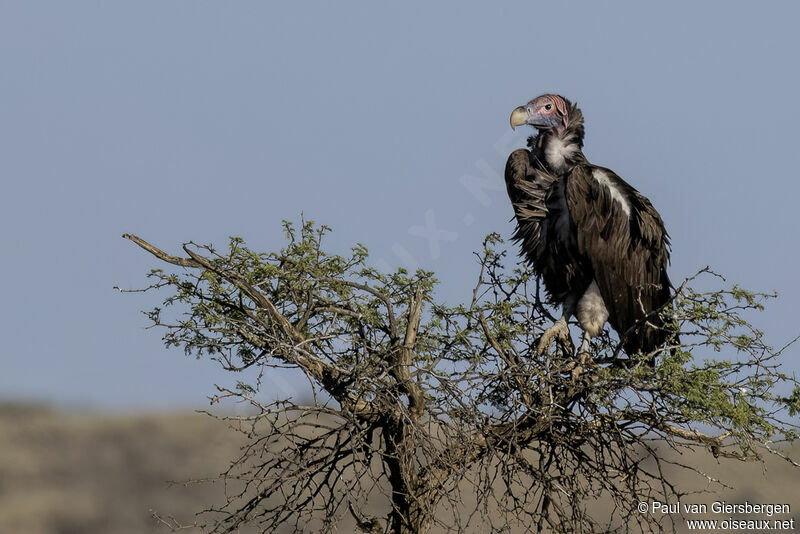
77, 473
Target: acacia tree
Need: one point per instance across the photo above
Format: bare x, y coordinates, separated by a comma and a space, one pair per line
433, 416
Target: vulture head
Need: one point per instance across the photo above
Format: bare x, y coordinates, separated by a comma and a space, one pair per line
546, 112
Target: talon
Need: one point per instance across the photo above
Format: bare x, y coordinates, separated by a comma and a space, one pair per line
583, 357
584, 361
558, 332
577, 372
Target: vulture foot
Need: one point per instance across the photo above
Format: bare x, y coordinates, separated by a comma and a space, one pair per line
584, 357
584, 362
559, 332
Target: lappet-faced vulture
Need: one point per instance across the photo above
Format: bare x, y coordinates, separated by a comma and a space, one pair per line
598, 245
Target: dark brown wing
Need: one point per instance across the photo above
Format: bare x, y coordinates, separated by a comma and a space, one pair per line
543, 228
624, 238
527, 189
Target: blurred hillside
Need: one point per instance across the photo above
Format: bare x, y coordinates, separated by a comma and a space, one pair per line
68, 473
72, 473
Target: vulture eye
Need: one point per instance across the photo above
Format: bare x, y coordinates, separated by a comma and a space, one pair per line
548, 107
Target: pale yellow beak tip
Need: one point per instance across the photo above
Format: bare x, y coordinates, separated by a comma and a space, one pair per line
518, 117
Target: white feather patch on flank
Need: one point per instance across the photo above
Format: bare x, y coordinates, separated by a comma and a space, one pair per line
557, 150
616, 194
591, 311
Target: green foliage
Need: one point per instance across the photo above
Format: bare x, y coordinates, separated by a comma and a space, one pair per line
316, 291
323, 295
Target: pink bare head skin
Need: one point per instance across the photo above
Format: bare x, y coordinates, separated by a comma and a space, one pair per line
545, 112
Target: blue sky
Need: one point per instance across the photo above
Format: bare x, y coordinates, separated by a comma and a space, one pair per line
184, 121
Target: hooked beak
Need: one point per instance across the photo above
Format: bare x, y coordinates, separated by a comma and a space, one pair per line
519, 117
